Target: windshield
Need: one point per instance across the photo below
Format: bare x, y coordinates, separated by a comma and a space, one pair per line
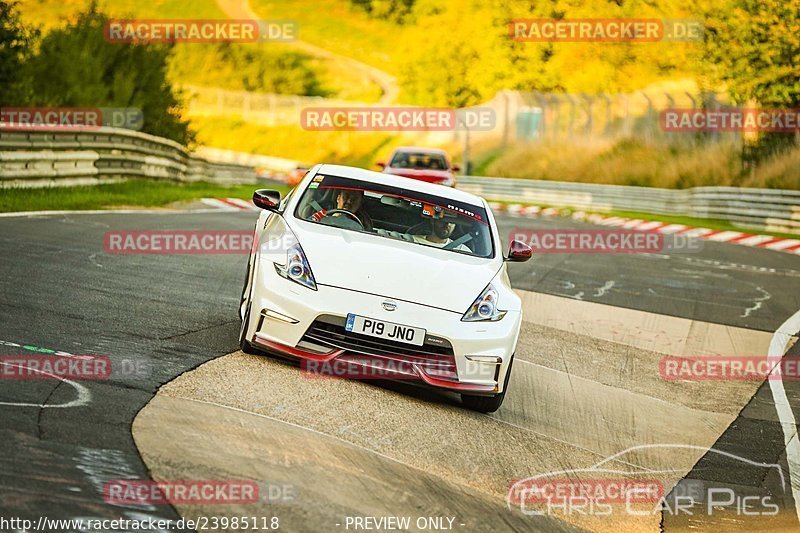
397, 213
419, 160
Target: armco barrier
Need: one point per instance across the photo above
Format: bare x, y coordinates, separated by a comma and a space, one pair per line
764, 209
32, 165
37, 158
42, 158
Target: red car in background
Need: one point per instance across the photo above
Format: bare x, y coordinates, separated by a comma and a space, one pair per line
425, 164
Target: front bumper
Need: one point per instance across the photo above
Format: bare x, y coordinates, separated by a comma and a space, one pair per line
294, 321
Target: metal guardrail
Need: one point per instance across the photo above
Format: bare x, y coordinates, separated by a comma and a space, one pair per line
763, 209
44, 158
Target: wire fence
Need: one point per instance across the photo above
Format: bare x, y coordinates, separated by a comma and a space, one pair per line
520, 116
588, 117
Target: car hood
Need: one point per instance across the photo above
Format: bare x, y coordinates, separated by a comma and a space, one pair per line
392, 268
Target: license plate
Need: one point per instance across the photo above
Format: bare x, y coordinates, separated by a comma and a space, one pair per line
385, 330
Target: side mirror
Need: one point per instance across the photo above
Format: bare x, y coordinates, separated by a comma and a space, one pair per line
381, 165
267, 199
519, 252
455, 168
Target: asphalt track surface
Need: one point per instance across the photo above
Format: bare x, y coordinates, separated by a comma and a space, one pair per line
722, 283
60, 442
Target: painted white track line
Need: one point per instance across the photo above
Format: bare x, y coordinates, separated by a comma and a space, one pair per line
107, 212
84, 396
777, 347
769, 242
215, 205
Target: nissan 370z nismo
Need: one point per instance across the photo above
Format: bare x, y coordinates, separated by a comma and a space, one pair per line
370, 271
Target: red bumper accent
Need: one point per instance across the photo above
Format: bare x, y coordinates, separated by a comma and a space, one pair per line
419, 372
296, 352
453, 385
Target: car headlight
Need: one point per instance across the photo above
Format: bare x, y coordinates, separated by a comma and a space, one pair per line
484, 307
297, 268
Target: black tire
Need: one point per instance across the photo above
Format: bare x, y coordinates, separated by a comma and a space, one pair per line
488, 404
244, 344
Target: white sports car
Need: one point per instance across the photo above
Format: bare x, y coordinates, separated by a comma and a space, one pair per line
368, 275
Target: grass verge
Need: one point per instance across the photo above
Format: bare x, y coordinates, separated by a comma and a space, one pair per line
131, 193
635, 162
337, 26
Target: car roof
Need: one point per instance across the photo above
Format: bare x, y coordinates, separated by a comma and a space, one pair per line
420, 149
400, 181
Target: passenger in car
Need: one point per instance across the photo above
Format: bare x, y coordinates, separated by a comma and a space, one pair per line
439, 235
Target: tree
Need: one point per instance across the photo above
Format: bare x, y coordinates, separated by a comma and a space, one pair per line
249, 67
459, 52
454, 55
76, 67
753, 46
16, 42
394, 10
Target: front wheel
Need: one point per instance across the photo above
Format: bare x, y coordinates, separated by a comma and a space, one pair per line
488, 404
244, 344
246, 304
